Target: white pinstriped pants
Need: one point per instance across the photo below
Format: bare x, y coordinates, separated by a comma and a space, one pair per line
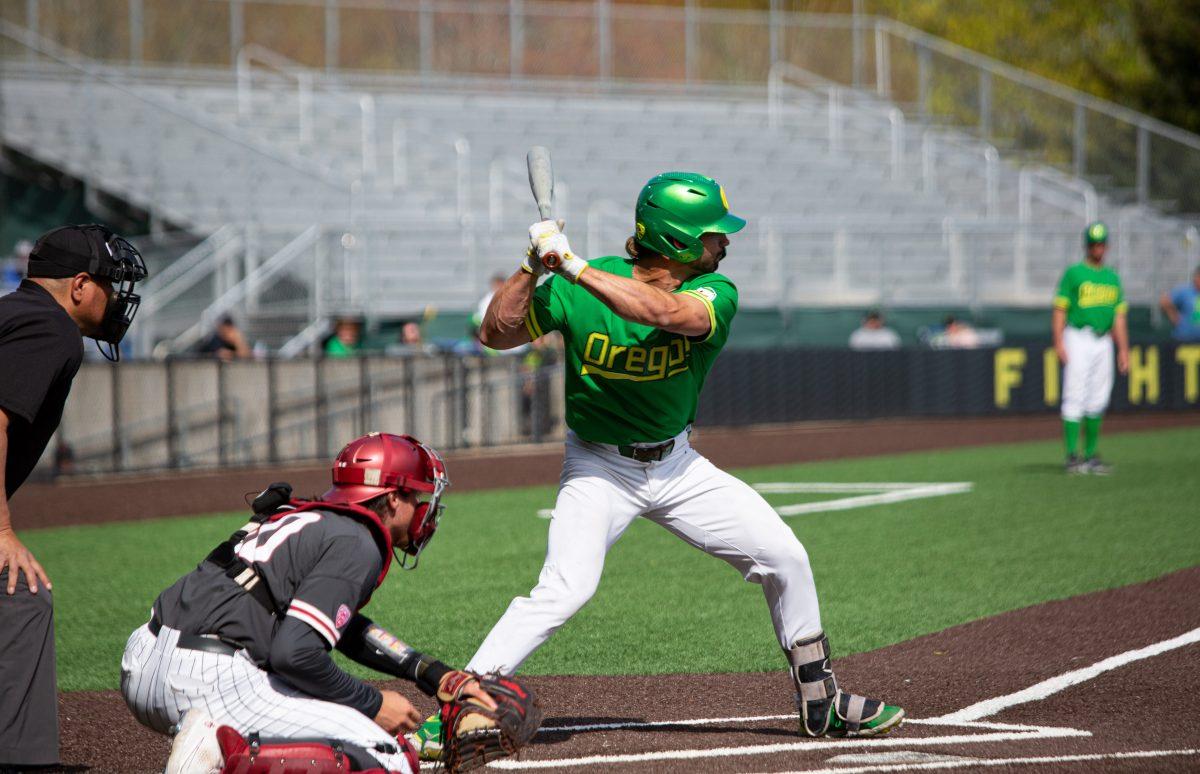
160, 682
599, 496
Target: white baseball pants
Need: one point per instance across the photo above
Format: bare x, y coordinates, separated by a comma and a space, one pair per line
601, 493
1088, 374
160, 682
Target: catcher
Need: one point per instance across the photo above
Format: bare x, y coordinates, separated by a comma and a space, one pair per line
235, 658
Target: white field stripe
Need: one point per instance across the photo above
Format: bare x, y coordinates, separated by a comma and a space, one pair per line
784, 747
844, 487
644, 724
1055, 684
980, 762
862, 501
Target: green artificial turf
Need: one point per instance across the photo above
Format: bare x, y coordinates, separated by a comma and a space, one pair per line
1026, 534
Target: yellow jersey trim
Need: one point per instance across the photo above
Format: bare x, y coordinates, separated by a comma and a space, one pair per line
531, 325
1062, 302
1123, 307
591, 370
712, 313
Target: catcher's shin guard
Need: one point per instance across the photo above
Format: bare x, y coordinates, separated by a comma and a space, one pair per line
816, 687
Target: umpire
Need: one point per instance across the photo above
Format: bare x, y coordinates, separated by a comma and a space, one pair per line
81, 281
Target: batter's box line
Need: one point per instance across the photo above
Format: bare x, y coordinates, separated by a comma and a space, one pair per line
795, 747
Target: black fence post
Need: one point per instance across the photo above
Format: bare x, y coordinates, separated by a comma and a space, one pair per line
222, 453
322, 423
272, 411
365, 420
172, 419
118, 429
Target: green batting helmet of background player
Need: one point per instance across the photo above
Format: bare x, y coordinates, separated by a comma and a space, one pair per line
1095, 234
675, 208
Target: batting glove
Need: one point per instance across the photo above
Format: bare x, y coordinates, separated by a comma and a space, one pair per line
555, 251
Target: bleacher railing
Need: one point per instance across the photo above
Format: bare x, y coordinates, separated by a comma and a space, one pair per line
1129, 155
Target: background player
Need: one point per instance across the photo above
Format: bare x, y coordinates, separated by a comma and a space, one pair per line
219, 650
1089, 313
641, 334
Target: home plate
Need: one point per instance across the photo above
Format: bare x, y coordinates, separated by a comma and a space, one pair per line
897, 756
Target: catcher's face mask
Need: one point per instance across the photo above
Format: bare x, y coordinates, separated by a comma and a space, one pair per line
100, 252
427, 515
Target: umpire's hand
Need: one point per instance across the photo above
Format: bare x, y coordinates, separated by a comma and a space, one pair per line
17, 558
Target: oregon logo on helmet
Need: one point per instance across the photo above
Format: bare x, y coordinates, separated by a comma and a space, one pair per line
1095, 233
675, 208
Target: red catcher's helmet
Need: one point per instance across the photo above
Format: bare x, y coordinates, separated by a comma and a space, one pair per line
381, 462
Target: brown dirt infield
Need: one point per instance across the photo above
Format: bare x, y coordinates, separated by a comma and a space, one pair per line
133, 497
1147, 705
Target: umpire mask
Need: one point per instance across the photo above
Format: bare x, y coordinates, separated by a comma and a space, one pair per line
97, 250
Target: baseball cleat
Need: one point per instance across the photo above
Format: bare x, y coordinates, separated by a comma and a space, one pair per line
1075, 465
427, 740
855, 716
1097, 467
195, 749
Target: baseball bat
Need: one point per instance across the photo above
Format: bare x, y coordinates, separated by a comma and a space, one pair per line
541, 183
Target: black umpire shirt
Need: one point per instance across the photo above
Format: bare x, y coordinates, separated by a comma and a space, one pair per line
40, 352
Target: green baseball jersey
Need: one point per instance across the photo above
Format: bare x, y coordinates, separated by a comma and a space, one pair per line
626, 382
1091, 296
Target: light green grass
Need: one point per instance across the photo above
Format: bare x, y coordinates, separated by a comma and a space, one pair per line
1026, 534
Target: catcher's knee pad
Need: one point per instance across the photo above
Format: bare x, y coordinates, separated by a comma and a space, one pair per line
816, 687
253, 755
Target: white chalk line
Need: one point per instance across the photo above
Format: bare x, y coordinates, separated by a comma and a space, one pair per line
1055, 684
883, 493
638, 725
783, 747
968, 717
980, 762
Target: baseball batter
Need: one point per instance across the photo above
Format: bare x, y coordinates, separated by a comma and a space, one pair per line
641, 333
243, 641
1089, 314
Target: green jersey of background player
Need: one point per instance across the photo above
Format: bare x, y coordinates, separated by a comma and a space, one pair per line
1089, 318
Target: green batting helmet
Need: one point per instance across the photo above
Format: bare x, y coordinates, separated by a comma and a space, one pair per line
1095, 234
675, 208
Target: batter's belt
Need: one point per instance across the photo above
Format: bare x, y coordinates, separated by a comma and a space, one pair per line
647, 453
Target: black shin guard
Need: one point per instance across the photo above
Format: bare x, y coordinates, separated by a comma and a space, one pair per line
816, 687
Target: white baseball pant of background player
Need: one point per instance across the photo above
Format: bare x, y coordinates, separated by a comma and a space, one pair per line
1088, 374
160, 682
601, 493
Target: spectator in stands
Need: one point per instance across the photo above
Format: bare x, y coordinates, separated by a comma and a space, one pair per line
1182, 309
226, 342
873, 334
346, 339
957, 334
410, 340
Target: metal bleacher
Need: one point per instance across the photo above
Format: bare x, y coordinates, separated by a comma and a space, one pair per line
322, 194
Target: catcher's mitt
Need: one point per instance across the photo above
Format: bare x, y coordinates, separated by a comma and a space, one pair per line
472, 734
